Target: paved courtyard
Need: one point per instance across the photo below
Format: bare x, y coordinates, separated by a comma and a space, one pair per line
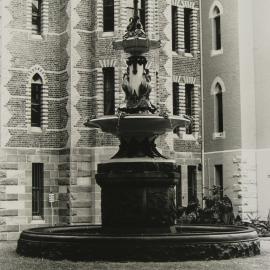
9, 260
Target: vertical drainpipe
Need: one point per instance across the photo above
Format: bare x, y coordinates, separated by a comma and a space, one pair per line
202, 104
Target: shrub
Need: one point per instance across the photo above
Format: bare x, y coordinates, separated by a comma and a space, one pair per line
217, 210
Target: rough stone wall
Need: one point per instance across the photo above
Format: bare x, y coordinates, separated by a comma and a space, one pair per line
239, 178
16, 189
263, 183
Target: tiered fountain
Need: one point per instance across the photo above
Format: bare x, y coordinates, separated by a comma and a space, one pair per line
137, 188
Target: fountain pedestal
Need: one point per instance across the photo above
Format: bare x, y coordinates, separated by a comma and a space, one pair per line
138, 196
137, 184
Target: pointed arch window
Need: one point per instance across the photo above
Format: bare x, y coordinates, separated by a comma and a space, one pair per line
218, 109
36, 16
36, 99
216, 29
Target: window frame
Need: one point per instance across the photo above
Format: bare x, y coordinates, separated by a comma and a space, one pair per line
217, 32
176, 99
215, 15
218, 86
36, 88
219, 117
142, 13
192, 182
219, 175
37, 27
175, 29
187, 30
108, 9
37, 190
189, 92
178, 189
108, 88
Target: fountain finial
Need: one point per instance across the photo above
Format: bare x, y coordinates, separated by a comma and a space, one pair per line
135, 27
136, 81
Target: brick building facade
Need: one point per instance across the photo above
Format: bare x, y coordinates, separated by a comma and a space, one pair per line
235, 42
54, 56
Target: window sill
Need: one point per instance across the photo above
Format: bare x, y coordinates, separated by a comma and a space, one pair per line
36, 36
188, 54
219, 135
33, 36
35, 130
216, 52
37, 220
188, 137
182, 54
107, 34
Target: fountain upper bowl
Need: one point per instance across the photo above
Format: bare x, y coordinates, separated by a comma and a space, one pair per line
136, 45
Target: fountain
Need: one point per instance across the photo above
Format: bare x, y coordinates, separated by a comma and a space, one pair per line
137, 188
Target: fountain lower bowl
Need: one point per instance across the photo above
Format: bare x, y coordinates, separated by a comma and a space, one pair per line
90, 243
146, 124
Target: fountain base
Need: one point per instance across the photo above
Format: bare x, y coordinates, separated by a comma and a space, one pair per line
137, 195
89, 243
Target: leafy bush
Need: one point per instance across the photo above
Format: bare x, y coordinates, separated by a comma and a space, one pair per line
261, 226
217, 210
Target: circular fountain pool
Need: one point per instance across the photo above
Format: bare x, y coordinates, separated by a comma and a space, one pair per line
90, 243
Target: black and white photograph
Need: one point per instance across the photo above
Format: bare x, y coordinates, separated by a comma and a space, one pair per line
134, 134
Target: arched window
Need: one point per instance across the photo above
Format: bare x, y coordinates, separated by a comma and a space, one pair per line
218, 108
36, 94
216, 29
36, 16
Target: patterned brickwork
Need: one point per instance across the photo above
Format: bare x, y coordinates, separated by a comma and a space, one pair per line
69, 56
